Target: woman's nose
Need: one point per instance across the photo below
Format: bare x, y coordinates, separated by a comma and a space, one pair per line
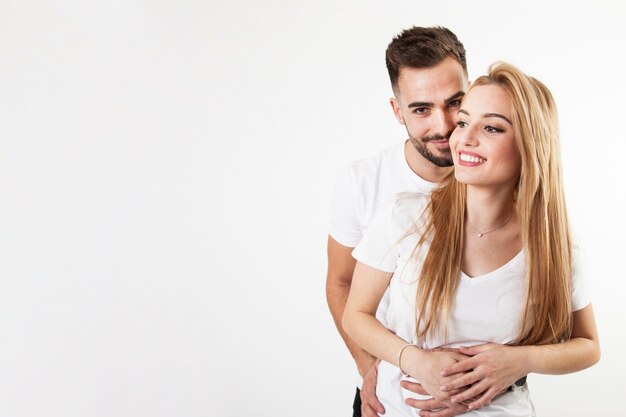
467, 136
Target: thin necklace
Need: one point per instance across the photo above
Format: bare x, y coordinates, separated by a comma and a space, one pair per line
481, 234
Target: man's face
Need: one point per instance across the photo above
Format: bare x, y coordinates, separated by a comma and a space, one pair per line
427, 103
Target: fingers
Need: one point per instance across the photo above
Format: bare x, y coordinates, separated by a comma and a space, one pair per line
370, 406
369, 401
461, 366
427, 405
469, 393
434, 408
413, 387
468, 402
475, 350
484, 400
462, 381
459, 356
367, 411
453, 353
444, 412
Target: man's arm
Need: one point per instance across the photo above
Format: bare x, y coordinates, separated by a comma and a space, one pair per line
338, 280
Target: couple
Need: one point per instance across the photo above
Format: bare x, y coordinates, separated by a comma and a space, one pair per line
474, 265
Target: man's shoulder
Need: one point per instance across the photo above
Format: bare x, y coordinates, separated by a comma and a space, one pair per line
411, 203
372, 165
405, 211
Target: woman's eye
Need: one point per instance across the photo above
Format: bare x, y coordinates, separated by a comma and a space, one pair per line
461, 123
492, 129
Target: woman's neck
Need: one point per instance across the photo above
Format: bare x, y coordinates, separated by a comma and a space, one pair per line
489, 207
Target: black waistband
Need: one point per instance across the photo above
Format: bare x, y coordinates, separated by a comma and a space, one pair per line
519, 383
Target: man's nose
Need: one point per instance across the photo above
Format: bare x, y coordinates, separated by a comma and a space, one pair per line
445, 123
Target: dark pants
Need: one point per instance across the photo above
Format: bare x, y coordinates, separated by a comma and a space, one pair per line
356, 407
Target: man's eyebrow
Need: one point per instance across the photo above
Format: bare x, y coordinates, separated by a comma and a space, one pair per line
456, 96
488, 115
420, 104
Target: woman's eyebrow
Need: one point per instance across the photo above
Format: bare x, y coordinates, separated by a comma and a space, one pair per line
488, 115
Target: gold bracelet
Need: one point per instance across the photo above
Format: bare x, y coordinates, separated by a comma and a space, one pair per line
400, 359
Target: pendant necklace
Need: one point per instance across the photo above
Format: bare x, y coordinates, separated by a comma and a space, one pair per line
481, 234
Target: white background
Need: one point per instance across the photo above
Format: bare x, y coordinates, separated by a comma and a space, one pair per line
165, 176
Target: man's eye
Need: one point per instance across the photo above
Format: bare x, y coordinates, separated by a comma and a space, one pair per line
420, 110
454, 103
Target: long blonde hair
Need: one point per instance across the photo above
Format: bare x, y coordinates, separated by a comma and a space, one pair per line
541, 210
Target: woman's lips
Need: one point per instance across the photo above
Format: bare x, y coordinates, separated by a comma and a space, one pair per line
470, 159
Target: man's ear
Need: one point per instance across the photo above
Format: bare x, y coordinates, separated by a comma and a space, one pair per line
395, 106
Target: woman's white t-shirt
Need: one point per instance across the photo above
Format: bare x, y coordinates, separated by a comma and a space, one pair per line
487, 308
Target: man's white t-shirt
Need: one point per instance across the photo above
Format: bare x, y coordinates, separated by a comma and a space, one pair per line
487, 308
363, 189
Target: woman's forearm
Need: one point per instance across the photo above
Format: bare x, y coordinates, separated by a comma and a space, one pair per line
359, 316
372, 336
574, 355
425, 366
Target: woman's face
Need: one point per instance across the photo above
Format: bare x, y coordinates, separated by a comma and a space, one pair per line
483, 144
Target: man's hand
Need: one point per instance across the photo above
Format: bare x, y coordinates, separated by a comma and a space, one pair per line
370, 406
431, 407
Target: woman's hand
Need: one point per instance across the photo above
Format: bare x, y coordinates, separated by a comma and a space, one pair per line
427, 367
490, 369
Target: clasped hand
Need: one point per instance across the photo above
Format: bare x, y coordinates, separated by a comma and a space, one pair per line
486, 371
428, 371
467, 378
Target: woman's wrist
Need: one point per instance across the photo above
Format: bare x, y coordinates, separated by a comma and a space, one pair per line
527, 357
409, 358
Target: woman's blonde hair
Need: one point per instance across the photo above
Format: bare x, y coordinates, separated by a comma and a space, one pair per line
541, 210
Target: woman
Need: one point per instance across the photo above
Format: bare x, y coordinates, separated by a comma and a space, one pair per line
485, 265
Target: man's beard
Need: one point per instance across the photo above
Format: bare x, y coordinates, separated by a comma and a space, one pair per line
438, 160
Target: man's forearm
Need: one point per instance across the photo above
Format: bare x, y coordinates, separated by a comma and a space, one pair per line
337, 295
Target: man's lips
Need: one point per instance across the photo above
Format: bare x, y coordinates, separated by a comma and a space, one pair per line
441, 143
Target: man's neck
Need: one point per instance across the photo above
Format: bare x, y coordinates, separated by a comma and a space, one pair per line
422, 166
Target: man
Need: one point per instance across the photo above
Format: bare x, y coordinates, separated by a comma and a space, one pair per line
428, 73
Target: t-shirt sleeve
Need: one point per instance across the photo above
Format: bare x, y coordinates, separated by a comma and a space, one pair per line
344, 225
378, 248
580, 290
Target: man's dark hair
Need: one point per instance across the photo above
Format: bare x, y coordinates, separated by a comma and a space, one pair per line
420, 47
